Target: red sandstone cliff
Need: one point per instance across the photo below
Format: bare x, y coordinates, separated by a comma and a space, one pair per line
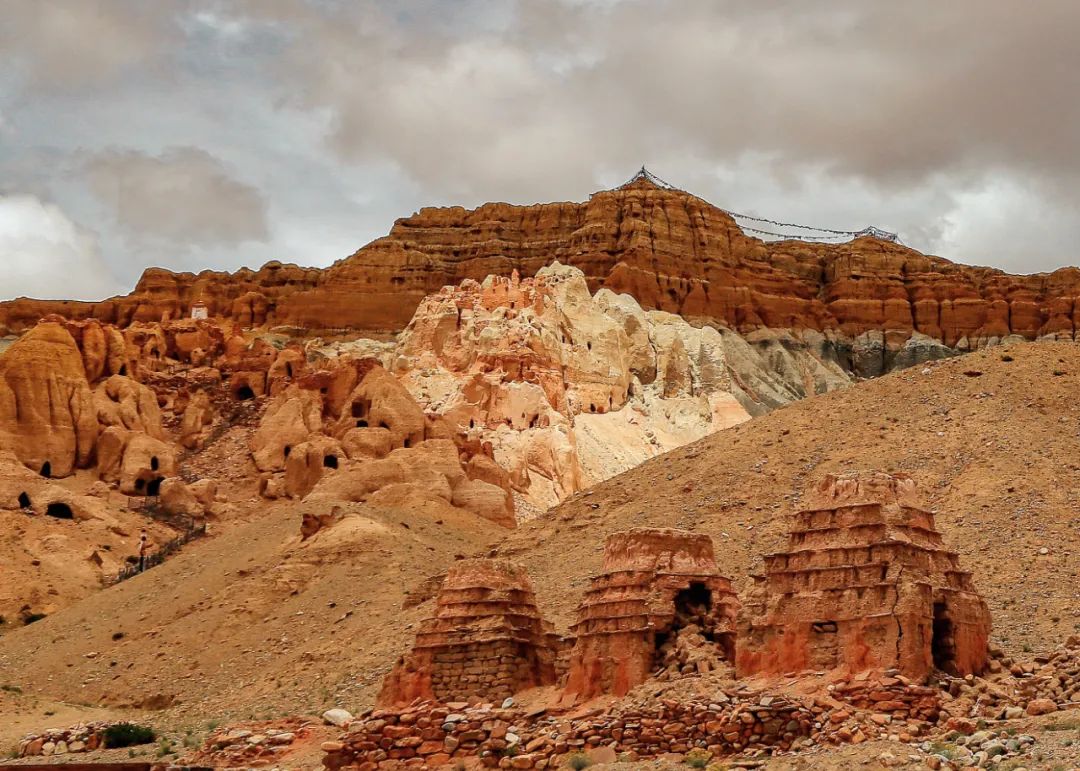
668, 249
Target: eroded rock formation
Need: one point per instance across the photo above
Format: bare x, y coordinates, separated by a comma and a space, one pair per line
569, 388
47, 415
343, 434
877, 304
485, 640
865, 584
656, 582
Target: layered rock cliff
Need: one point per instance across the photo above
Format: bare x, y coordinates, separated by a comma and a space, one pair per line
880, 304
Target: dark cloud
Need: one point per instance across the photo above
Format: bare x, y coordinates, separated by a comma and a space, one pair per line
185, 196
310, 124
60, 43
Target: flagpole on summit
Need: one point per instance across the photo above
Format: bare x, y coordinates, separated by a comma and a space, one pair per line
815, 234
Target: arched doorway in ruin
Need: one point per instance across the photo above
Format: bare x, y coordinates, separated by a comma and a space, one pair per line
942, 641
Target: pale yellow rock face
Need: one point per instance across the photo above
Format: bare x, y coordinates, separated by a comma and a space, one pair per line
47, 412
569, 388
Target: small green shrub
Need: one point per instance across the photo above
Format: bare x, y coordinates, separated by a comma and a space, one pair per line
945, 750
578, 761
127, 735
1068, 724
698, 758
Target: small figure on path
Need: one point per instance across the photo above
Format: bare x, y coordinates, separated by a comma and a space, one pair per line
143, 548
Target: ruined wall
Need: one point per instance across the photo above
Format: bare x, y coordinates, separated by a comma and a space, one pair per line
656, 582
865, 583
486, 639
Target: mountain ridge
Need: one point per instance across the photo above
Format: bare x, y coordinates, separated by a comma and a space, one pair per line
670, 250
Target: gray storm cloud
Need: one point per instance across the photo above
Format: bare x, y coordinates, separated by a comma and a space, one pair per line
212, 133
185, 195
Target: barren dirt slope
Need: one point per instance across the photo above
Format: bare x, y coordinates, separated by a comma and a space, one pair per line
253, 623
993, 439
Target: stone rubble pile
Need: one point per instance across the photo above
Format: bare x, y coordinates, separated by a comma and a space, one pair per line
892, 695
979, 750
1010, 689
85, 737
252, 744
690, 652
428, 734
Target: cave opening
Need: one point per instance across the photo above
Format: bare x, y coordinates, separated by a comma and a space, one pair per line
154, 486
692, 616
943, 643
46, 469
330, 461
154, 463
24, 501
244, 393
59, 511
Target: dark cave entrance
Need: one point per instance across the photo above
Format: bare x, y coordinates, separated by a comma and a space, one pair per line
154, 486
330, 461
46, 469
59, 510
943, 642
24, 501
244, 393
693, 608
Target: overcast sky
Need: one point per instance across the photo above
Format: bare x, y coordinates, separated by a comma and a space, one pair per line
198, 134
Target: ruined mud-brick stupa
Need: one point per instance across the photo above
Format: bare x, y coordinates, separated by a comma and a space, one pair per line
486, 640
655, 581
865, 583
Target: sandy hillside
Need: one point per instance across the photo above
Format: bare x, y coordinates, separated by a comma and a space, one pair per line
255, 624
993, 439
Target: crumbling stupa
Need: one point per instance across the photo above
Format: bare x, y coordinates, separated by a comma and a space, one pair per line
656, 582
486, 639
865, 583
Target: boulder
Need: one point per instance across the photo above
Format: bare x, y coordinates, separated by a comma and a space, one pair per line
291, 417
121, 401
308, 461
179, 499
198, 417
47, 416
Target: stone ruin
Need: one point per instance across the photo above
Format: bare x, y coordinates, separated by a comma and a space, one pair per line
486, 639
865, 584
659, 603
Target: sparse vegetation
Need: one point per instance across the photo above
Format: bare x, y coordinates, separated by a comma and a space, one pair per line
944, 749
1065, 724
30, 618
127, 735
698, 758
10, 688
578, 761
